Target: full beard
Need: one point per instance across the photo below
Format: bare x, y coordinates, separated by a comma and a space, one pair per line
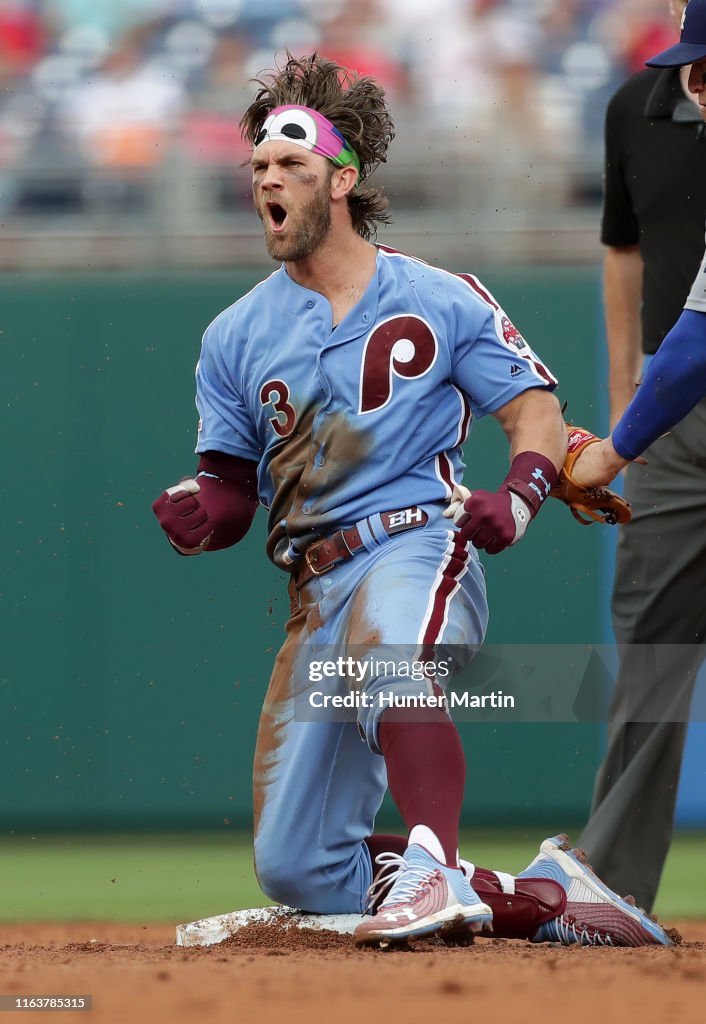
313, 223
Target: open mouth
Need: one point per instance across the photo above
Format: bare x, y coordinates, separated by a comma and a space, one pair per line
278, 216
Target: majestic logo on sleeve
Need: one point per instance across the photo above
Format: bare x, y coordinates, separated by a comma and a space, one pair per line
402, 346
276, 394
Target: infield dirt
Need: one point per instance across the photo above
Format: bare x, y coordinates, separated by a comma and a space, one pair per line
136, 974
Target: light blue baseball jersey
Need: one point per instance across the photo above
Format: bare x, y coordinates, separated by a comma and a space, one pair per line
364, 416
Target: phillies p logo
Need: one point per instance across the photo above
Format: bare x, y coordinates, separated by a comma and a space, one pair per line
403, 346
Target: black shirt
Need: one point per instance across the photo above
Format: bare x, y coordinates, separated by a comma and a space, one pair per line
655, 191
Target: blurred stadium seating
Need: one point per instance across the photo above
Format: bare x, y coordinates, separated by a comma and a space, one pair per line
118, 121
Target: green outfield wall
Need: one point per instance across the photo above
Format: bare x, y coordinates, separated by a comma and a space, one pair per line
130, 678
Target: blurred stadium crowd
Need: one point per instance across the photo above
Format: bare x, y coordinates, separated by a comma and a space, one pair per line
119, 109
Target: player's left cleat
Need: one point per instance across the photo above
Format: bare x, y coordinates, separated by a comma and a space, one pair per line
594, 914
427, 898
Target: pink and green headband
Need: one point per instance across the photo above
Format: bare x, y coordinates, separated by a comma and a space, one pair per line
309, 129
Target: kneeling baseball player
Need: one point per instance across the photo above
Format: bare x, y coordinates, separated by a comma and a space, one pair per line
338, 394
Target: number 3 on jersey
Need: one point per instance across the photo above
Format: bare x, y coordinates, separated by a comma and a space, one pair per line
276, 393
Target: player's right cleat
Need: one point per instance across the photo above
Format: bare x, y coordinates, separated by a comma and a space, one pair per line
594, 914
427, 898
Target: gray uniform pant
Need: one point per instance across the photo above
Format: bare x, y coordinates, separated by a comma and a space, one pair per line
659, 598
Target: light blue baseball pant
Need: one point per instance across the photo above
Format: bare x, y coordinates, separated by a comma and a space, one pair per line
318, 783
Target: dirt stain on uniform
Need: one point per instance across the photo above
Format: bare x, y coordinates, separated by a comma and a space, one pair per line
301, 481
286, 683
308, 471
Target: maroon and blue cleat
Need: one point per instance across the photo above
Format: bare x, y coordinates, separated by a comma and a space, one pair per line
594, 914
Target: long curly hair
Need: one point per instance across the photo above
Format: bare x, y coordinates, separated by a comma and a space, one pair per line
354, 103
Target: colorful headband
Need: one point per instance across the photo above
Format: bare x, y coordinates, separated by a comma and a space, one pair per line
309, 129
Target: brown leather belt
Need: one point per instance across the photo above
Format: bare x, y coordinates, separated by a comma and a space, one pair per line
325, 555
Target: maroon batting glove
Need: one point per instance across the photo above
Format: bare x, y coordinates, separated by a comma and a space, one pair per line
212, 511
495, 520
183, 518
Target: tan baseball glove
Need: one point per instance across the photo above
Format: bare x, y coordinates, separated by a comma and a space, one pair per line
588, 504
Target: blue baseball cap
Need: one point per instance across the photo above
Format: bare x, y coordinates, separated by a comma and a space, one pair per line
692, 42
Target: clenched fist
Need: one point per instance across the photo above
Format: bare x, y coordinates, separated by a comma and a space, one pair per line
183, 518
491, 520
214, 510
495, 520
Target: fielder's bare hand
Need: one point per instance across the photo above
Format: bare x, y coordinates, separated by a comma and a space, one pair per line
598, 464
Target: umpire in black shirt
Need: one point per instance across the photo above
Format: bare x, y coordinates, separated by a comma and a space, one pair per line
653, 230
